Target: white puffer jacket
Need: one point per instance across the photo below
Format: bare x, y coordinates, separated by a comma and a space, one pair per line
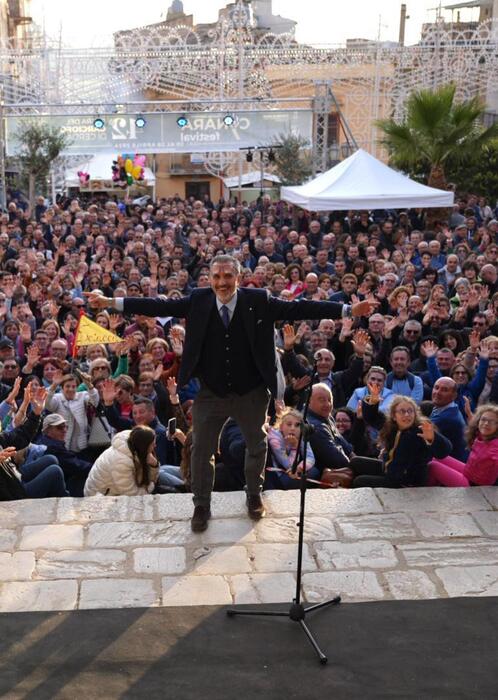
113, 472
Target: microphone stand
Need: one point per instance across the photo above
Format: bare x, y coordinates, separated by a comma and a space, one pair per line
297, 612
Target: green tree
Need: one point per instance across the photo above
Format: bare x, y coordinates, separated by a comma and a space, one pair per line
292, 163
40, 146
437, 132
479, 177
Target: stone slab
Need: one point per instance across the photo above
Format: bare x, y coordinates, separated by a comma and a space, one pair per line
229, 531
118, 593
469, 552
33, 511
410, 585
38, 596
196, 590
159, 560
433, 499
223, 560
279, 557
262, 588
8, 539
316, 528
448, 525
490, 493
323, 502
76, 564
488, 521
105, 508
475, 581
393, 526
138, 534
51, 537
16, 567
350, 585
355, 555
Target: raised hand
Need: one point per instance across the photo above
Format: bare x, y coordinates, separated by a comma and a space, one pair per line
467, 408
429, 348
38, 399
301, 383
403, 314
33, 355
374, 391
177, 346
289, 335
484, 349
426, 431
360, 342
347, 327
474, 340
115, 321
25, 329
109, 391
381, 292
12, 396
389, 326
279, 407
172, 386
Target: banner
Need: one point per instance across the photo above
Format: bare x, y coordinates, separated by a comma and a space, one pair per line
204, 132
90, 333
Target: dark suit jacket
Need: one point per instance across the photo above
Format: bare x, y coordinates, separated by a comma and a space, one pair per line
259, 313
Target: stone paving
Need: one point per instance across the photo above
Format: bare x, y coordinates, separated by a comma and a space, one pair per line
65, 554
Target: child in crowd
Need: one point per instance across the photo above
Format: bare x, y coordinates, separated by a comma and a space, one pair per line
481, 468
283, 439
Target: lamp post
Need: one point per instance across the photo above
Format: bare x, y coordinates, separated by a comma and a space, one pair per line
266, 155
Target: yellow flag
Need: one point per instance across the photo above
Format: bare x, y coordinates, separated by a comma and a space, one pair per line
89, 333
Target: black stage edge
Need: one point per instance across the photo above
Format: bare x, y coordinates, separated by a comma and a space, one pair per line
401, 649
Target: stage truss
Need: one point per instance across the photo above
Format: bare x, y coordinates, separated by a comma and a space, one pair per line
165, 68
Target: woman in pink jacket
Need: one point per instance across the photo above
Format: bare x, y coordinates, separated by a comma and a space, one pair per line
481, 468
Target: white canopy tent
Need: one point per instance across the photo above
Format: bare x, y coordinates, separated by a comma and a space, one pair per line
363, 182
99, 168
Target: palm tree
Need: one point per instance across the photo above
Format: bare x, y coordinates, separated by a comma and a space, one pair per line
436, 132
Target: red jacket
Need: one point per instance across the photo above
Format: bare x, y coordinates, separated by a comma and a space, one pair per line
482, 464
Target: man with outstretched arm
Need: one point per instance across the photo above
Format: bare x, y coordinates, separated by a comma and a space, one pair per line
230, 348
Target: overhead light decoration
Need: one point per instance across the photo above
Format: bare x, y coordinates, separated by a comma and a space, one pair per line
182, 121
228, 120
140, 122
249, 156
99, 123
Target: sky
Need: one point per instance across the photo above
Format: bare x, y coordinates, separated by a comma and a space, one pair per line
92, 22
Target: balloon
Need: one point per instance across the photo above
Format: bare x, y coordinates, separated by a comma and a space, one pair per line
121, 161
129, 179
139, 160
137, 172
128, 166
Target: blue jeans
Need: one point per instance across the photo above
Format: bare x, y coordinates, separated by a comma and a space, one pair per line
170, 475
43, 478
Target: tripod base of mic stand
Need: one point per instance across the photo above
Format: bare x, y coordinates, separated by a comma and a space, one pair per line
297, 613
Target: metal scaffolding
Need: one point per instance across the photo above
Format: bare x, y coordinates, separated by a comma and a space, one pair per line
180, 68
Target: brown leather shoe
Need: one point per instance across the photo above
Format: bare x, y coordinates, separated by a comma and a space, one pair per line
255, 506
200, 518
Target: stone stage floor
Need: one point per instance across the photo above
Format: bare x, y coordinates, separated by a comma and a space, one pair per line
366, 545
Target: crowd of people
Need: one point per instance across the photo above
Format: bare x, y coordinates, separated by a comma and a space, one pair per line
405, 394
